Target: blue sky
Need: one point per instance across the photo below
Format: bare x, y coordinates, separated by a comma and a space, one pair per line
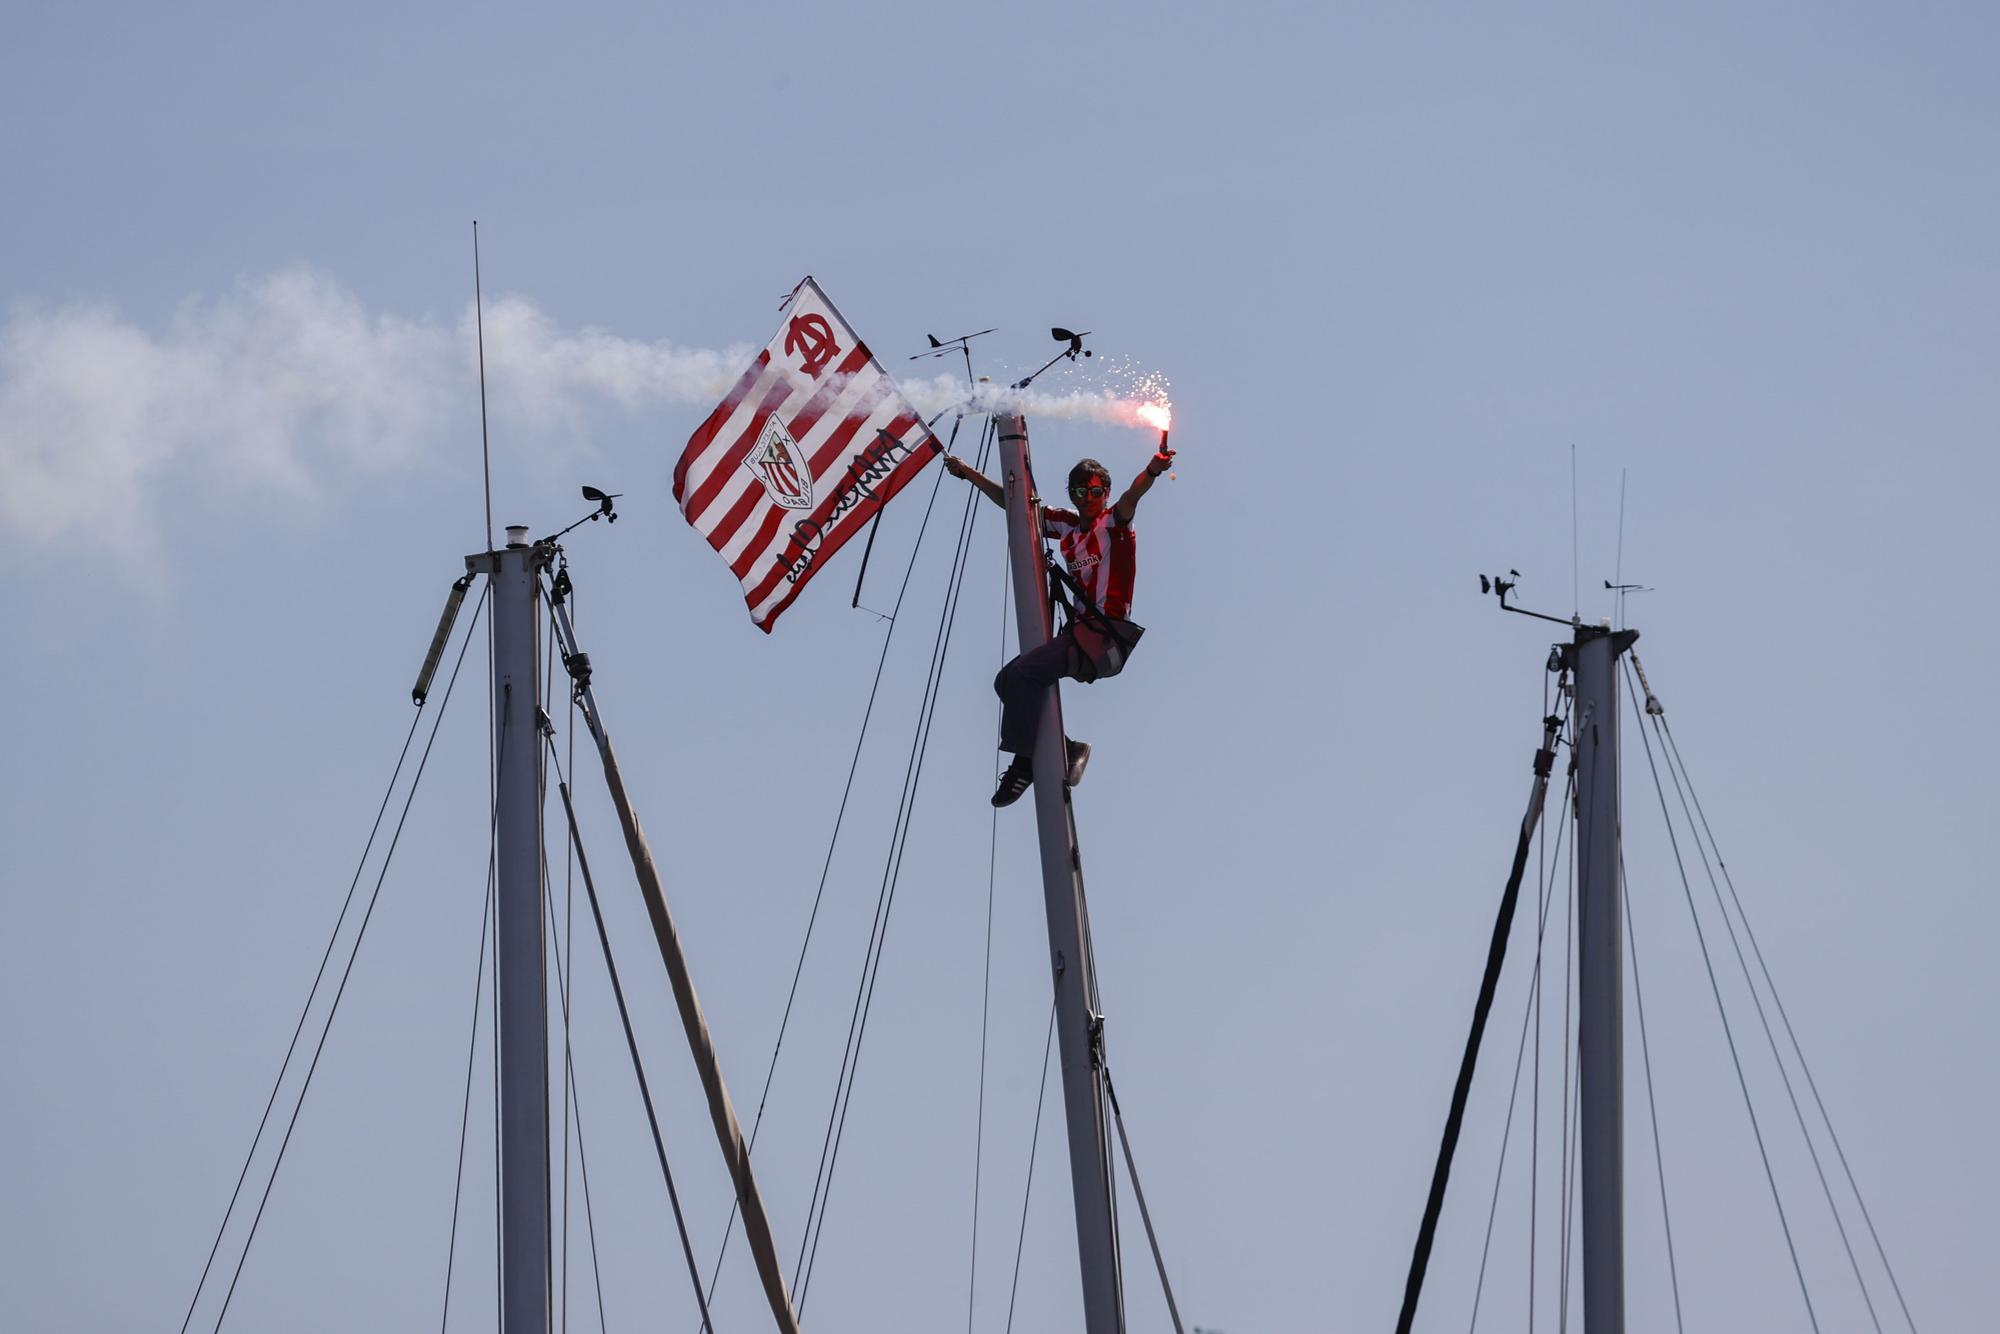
1396, 263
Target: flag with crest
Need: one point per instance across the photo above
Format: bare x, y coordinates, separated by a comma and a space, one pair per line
811, 442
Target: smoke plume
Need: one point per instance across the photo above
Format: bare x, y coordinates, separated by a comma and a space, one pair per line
286, 387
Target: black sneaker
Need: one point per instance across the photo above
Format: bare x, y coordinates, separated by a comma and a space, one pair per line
1079, 756
1019, 777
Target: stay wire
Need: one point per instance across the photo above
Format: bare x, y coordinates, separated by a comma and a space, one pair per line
1535, 1096
557, 942
631, 1040
1028, 1187
465, 1102
625, 1021
1771, 1038
1145, 1214
1545, 887
1736, 1059
1571, 1090
347, 972
572, 1102
826, 864
1482, 1009
312, 995
893, 867
986, 991
1675, 762
1652, 1105
872, 955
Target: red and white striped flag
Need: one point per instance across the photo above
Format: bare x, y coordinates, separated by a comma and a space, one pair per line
810, 444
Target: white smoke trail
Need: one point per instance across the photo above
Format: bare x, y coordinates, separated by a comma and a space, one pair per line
287, 386
1106, 406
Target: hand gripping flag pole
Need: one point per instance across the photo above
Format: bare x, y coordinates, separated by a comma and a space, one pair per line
808, 446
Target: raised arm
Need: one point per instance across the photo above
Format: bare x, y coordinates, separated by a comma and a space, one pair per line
958, 467
1128, 504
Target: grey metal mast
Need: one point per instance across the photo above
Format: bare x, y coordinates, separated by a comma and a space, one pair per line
1079, 1025
1601, 984
520, 969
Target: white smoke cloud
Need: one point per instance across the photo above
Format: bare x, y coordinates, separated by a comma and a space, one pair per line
286, 386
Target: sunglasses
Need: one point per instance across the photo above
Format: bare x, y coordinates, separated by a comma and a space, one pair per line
1094, 492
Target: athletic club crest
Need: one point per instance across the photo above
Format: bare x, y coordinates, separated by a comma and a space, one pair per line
780, 465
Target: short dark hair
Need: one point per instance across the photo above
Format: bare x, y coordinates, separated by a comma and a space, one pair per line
1085, 469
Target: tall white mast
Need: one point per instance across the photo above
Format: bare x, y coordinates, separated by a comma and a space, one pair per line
1601, 976
520, 968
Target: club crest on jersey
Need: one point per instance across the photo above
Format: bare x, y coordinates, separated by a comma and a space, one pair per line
777, 463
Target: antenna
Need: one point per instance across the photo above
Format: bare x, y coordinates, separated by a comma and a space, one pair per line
960, 344
479, 324
1618, 568
1575, 568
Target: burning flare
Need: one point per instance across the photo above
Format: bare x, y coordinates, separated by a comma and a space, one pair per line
1158, 415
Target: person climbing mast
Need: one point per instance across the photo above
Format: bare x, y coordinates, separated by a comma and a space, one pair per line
1100, 549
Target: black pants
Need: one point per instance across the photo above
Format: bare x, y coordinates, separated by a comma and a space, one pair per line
1023, 684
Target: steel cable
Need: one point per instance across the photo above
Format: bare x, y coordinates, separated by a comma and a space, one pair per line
1545, 888
892, 874
465, 1105
1671, 751
312, 994
826, 866
1736, 1059
986, 990
347, 972
1652, 1106
631, 1040
1028, 1187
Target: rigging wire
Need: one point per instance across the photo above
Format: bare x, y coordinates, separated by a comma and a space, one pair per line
1482, 1008
1535, 1101
1728, 1033
1571, 1092
312, 995
319, 1049
986, 989
631, 1041
886, 896
1770, 1037
572, 1104
1145, 1214
1569, 1204
556, 941
465, 1104
1028, 1187
826, 866
1652, 1106
1673, 755
1545, 888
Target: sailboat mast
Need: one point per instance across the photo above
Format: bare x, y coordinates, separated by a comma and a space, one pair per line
1601, 976
520, 972
1079, 1024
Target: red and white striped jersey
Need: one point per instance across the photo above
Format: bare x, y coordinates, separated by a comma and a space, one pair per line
1102, 555
810, 444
